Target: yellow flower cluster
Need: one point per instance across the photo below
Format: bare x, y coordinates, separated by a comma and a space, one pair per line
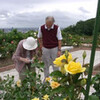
62, 60
47, 79
46, 97
19, 83
66, 64
54, 84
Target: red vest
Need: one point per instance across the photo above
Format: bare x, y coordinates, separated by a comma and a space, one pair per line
49, 37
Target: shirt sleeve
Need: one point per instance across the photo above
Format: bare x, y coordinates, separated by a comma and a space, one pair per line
39, 33
17, 54
59, 35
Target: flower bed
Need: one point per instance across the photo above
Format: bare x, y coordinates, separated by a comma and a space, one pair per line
9, 41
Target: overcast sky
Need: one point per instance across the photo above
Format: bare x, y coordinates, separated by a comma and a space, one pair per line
32, 13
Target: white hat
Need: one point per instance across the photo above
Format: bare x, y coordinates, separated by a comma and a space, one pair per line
30, 43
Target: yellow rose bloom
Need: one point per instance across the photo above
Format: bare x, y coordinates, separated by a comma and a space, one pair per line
54, 85
58, 61
74, 68
35, 99
19, 83
47, 79
46, 97
69, 57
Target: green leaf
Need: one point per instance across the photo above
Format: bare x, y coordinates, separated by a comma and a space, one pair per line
42, 65
75, 59
66, 54
70, 91
56, 74
93, 97
83, 90
57, 98
58, 90
76, 77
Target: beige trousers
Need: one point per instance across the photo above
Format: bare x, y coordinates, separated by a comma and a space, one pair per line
48, 56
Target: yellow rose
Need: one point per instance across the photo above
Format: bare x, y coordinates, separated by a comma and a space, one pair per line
46, 97
59, 61
69, 57
47, 79
35, 99
19, 83
74, 68
54, 84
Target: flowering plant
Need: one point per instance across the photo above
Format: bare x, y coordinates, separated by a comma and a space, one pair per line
9, 41
67, 83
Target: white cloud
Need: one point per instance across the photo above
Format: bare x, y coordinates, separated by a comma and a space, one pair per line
24, 13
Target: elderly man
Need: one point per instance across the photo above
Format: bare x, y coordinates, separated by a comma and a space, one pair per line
23, 57
49, 36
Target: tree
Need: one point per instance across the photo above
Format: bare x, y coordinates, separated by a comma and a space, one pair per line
82, 27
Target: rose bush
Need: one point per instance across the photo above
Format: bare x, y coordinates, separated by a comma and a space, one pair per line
68, 84
13, 37
9, 41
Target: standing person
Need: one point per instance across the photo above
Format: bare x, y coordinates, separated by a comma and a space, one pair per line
49, 36
23, 57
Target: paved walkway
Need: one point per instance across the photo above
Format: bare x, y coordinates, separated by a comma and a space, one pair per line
74, 54
87, 60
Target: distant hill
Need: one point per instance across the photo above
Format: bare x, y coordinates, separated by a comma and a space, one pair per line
82, 27
23, 30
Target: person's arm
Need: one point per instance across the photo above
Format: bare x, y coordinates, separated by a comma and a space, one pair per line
59, 36
40, 38
40, 43
59, 45
24, 60
59, 48
16, 55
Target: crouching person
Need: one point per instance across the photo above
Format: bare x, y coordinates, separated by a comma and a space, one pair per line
23, 56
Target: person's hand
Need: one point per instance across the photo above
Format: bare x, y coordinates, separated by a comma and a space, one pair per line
32, 61
33, 58
58, 53
26, 60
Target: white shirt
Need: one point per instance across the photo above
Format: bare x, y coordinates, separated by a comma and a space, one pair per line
59, 35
